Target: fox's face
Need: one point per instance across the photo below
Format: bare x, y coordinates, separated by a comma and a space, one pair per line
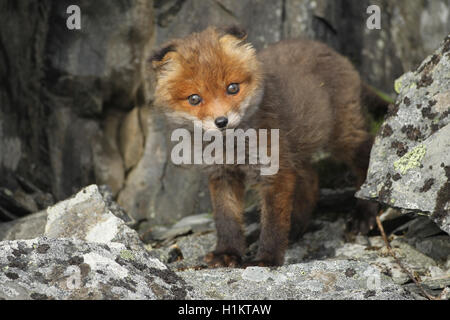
213, 77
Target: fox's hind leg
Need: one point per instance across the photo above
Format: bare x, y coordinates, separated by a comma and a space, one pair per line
305, 199
352, 144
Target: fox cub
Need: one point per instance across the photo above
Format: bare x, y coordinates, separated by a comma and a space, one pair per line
303, 88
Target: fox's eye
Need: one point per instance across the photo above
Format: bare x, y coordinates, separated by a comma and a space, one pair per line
233, 88
195, 99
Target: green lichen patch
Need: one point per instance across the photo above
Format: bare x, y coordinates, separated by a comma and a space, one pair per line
127, 255
410, 160
398, 85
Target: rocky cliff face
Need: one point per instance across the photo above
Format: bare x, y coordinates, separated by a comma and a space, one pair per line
67, 115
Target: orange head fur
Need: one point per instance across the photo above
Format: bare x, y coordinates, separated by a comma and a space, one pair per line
205, 64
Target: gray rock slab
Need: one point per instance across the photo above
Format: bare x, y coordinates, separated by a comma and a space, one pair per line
66, 269
341, 279
195, 223
29, 227
327, 243
86, 216
410, 161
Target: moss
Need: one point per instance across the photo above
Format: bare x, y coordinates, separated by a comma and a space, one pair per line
410, 160
126, 255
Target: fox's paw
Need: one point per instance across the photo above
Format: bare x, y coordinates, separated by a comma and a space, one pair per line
218, 260
363, 219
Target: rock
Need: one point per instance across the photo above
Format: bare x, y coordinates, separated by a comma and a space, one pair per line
407, 35
131, 139
71, 152
69, 269
437, 247
115, 209
25, 200
422, 228
77, 78
88, 252
62, 85
193, 248
178, 19
341, 279
95, 70
86, 216
97, 65
437, 278
410, 165
381, 56
22, 115
156, 189
390, 214
109, 166
11, 207
29, 227
191, 224
325, 242
172, 233
197, 223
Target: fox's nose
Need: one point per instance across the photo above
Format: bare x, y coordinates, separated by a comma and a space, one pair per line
221, 122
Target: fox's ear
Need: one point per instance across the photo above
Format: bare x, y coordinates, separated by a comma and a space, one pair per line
236, 32
159, 57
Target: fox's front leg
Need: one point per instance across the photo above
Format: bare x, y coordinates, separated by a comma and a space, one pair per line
227, 194
277, 194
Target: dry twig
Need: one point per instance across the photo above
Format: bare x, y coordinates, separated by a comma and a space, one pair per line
410, 275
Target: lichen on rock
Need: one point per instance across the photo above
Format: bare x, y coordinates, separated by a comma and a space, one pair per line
415, 143
410, 160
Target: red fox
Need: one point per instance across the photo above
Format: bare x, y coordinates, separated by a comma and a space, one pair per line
301, 87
